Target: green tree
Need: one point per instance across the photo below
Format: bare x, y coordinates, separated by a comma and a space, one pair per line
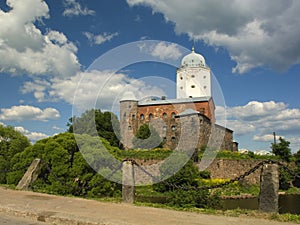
11, 143
282, 149
65, 169
94, 122
147, 138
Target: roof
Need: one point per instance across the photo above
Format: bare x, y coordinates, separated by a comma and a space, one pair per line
188, 112
173, 101
193, 60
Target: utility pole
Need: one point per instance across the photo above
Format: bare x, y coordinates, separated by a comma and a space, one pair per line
274, 138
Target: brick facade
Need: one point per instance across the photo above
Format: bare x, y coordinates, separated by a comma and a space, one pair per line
176, 131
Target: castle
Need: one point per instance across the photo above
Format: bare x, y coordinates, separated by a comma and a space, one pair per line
190, 118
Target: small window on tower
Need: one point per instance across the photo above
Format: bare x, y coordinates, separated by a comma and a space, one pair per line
129, 127
173, 115
181, 88
173, 128
133, 117
193, 76
204, 77
204, 87
181, 78
173, 139
193, 86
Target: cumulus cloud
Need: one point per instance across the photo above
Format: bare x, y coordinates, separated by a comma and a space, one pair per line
26, 112
73, 8
162, 50
255, 33
166, 51
32, 136
261, 119
92, 89
26, 49
100, 38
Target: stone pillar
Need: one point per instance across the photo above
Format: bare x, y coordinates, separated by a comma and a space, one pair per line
31, 175
269, 187
128, 183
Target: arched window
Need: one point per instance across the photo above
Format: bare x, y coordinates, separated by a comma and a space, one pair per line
173, 115
173, 139
142, 117
164, 128
129, 127
173, 127
150, 116
133, 117
164, 115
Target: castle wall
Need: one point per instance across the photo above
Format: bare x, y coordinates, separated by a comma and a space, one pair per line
163, 118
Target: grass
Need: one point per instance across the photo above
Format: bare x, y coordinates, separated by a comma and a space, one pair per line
243, 213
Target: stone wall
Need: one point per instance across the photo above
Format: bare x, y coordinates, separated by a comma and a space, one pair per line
229, 168
219, 168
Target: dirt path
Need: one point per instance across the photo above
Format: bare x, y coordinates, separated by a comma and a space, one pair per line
70, 210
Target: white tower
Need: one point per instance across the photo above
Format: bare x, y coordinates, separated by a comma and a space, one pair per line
193, 77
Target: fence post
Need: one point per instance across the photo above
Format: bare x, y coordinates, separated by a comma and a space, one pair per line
128, 183
31, 175
269, 187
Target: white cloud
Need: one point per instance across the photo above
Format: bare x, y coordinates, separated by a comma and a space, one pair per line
161, 50
166, 51
93, 89
26, 49
266, 138
261, 119
26, 112
32, 136
73, 8
255, 33
100, 38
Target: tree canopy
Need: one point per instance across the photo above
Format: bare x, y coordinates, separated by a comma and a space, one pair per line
147, 138
282, 149
94, 122
11, 143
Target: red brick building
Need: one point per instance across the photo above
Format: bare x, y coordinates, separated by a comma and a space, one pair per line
194, 105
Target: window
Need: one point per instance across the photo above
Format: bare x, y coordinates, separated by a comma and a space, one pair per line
133, 117
190, 96
164, 115
164, 139
193, 76
173, 139
173, 115
129, 106
181, 78
150, 116
204, 77
129, 127
142, 117
202, 110
193, 86
181, 87
164, 128
173, 127
124, 115
204, 87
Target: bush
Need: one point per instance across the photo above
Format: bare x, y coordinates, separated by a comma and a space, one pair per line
181, 189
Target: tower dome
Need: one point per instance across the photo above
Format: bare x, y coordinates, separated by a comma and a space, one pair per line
193, 60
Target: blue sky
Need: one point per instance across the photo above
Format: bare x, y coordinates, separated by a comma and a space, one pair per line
252, 47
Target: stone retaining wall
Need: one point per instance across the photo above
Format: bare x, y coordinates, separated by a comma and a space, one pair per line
219, 168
